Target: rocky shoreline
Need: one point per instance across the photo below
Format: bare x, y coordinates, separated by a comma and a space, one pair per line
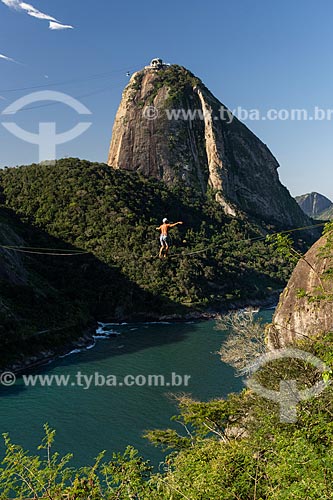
88, 339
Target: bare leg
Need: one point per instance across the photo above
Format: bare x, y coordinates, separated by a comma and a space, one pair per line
166, 251
161, 251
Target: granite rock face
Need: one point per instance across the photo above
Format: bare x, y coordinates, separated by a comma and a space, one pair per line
171, 127
314, 204
305, 308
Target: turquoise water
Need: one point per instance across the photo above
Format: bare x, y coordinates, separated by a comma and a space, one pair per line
98, 418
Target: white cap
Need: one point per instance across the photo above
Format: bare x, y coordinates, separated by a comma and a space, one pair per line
165, 220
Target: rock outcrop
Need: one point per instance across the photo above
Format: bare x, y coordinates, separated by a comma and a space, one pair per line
305, 308
170, 126
327, 214
315, 205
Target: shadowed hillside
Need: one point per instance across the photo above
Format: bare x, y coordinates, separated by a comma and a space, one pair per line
113, 215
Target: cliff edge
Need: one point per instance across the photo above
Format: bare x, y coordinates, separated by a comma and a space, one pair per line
305, 307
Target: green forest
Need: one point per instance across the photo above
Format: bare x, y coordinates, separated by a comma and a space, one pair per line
215, 262
93, 230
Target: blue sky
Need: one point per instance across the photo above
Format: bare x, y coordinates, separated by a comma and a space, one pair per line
250, 53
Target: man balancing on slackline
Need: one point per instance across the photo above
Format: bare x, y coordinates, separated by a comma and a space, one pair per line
164, 238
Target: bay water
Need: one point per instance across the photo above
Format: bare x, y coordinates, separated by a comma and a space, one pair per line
107, 417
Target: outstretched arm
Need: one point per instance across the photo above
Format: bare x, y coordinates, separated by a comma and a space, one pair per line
176, 224
158, 228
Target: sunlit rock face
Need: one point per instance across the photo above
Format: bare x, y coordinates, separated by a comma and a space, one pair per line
305, 307
171, 127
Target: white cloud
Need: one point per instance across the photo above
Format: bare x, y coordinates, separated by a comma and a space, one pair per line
11, 3
33, 12
59, 26
9, 59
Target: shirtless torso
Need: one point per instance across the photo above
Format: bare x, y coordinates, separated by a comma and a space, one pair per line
165, 228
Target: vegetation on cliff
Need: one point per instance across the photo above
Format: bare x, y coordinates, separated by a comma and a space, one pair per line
237, 448
179, 81
113, 216
225, 449
49, 301
305, 307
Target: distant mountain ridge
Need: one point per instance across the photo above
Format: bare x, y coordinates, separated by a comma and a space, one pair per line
315, 205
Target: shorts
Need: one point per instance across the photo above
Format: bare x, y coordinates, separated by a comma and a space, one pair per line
164, 240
